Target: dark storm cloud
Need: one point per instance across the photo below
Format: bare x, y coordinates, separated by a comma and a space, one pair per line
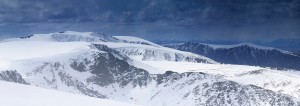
185, 19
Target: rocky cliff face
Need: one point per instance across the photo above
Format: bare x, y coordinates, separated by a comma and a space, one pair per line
12, 76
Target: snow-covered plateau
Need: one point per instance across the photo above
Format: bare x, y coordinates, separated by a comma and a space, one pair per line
136, 71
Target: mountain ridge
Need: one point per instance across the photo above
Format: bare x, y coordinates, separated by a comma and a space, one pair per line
243, 54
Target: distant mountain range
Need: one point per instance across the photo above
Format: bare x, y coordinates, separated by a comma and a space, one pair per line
285, 44
243, 54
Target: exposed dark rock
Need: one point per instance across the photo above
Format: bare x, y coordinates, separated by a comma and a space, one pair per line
12, 76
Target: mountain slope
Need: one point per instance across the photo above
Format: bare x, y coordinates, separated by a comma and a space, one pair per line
13, 94
184, 89
244, 54
286, 82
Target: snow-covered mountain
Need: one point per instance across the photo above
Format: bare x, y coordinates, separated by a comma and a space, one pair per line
129, 45
140, 73
244, 54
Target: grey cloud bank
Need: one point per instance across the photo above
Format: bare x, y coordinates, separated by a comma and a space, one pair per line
155, 19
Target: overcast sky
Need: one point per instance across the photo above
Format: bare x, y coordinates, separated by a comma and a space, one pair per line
155, 19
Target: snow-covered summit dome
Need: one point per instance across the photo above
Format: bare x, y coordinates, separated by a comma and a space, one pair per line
66, 36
